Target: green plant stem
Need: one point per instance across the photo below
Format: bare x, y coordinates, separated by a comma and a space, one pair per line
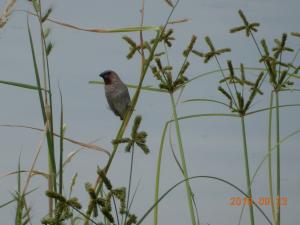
277, 159
61, 144
184, 168
39, 13
249, 192
157, 178
270, 176
144, 68
49, 119
123, 126
158, 166
19, 196
129, 184
46, 77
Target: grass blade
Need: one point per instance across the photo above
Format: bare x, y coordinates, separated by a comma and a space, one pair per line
61, 143
51, 154
21, 85
274, 107
157, 177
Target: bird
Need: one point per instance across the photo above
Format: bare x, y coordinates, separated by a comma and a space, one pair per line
116, 93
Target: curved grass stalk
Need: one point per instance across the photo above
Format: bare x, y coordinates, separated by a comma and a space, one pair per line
198, 177
83, 145
206, 115
271, 150
157, 178
95, 30
206, 100
173, 149
235, 115
181, 170
159, 157
273, 107
33, 173
290, 89
266, 156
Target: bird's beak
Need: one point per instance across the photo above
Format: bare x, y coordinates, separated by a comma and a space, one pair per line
101, 75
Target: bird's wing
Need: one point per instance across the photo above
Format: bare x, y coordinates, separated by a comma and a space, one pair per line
121, 102
111, 99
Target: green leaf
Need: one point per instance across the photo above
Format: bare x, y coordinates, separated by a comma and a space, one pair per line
21, 85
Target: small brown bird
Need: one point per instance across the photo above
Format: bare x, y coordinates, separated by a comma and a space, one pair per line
116, 93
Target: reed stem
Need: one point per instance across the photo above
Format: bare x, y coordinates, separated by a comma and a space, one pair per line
249, 192
183, 163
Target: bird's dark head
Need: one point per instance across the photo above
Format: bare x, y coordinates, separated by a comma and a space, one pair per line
107, 76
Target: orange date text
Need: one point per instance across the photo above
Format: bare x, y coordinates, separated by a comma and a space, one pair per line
261, 201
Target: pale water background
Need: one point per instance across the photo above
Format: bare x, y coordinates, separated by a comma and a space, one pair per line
213, 145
